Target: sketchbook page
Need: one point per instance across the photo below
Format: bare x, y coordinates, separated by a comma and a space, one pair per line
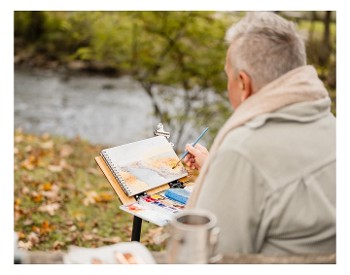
144, 165
125, 252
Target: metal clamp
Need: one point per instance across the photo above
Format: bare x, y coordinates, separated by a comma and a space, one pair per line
161, 132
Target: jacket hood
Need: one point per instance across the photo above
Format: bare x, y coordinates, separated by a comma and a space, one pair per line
307, 111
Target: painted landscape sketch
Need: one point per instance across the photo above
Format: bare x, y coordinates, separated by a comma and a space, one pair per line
145, 164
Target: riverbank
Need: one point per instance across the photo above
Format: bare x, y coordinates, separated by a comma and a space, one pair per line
28, 57
100, 109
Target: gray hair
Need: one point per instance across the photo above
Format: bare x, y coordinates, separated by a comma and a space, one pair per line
265, 46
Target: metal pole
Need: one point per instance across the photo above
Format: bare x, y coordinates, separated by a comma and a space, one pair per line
136, 229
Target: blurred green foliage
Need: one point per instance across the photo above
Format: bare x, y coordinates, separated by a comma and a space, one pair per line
175, 55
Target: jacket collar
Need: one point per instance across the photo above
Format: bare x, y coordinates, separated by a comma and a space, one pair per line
299, 112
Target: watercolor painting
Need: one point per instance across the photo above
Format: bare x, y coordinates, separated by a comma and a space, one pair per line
145, 164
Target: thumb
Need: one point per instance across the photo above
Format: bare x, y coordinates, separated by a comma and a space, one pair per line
191, 149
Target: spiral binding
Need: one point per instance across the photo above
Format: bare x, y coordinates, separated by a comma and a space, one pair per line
116, 173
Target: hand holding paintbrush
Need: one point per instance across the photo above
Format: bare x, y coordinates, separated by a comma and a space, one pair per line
193, 144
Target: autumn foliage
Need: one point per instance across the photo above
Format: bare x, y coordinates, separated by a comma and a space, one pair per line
61, 198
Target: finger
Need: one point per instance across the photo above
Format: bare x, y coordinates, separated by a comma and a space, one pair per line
192, 150
200, 147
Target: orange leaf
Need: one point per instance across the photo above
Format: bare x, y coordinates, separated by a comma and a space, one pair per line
47, 186
46, 227
17, 201
106, 197
21, 235
30, 163
37, 198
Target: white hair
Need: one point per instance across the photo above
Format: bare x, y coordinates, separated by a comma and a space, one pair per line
265, 46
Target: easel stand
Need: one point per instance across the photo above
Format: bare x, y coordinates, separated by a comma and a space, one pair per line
125, 200
136, 229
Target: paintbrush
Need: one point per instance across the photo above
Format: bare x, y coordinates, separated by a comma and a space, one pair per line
193, 144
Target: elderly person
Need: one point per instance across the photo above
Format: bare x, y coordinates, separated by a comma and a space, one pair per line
270, 176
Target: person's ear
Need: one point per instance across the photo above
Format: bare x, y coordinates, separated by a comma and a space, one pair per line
245, 85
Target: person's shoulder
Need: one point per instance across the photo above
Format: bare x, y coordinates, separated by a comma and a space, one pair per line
253, 141
237, 139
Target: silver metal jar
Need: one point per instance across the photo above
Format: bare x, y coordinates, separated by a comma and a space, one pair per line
193, 238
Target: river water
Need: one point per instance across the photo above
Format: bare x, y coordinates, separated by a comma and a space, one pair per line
99, 109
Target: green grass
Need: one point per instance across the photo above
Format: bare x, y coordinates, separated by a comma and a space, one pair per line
61, 197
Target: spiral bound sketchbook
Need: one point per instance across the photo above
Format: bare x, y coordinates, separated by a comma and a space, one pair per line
143, 165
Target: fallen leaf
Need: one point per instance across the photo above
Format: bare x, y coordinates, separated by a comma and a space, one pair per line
88, 236
115, 239
36, 229
69, 222
77, 215
53, 193
55, 168
28, 149
81, 225
27, 222
72, 228
57, 245
66, 150
30, 163
46, 228
47, 186
90, 198
50, 208
47, 145
33, 238
25, 190
21, 235
72, 237
37, 197
65, 165
17, 201
25, 245
104, 197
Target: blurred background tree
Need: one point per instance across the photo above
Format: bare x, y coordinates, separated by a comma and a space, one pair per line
175, 56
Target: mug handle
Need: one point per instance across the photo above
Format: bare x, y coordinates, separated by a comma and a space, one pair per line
213, 243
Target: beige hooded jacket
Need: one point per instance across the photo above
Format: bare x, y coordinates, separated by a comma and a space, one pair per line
271, 181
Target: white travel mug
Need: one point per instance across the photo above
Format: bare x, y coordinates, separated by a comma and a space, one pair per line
193, 238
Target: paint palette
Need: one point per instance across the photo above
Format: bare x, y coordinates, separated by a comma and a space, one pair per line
156, 208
